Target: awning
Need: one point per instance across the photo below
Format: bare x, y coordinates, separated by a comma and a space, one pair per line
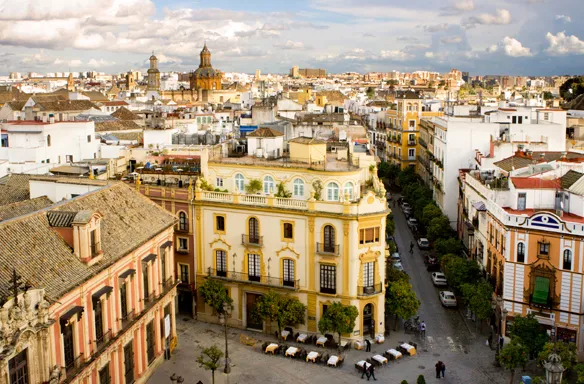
129, 272
541, 291
102, 291
64, 319
166, 244
479, 206
149, 258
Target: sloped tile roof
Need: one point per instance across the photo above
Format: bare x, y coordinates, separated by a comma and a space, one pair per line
14, 188
60, 219
23, 207
535, 183
119, 125
570, 178
43, 259
124, 113
265, 132
67, 105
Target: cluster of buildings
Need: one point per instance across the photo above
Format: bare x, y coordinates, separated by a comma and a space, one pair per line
130, 191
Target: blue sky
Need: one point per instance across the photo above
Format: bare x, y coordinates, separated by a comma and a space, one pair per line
518, 37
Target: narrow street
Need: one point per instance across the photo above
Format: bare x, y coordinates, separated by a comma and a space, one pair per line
449, 336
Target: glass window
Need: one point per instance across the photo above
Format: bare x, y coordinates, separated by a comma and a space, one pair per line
332, 192
18, 368
240, 182
104, 375
183, 224
288, 231
150, 342
520, 253
567, 259
253, 230
288, 269
219, 182
221, 262
220, 223
184, 273
329, 238
268, 185
328, 278
253, 267
348, 190
48, 140
544, 248
183, 244
368, 269
298, 188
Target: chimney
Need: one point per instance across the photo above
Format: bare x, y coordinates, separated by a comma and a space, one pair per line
541, 158
528, 153
564, 156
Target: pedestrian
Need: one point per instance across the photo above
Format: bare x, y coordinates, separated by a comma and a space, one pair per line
490, 341
438, 367
365, 370
411, 247
501, 341
442, 368
423, 329
368, 345
371, 372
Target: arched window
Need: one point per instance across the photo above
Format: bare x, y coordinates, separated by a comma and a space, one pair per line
240, 182
298, 188
254, 231
268, 185
48, 140
521, 253
568, 259
288, 272
348, 190
183, 223
332, 192
329, 239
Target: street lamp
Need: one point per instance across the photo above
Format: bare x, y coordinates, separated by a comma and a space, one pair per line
553, 369
223, 320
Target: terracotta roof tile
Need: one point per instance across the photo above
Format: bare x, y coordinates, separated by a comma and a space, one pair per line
265, 132
23, 207
14, 188
125, 114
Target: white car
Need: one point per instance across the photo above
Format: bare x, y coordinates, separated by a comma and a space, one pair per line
423, 243
398, 266
448, 299
438, 278
395, 258
412, 222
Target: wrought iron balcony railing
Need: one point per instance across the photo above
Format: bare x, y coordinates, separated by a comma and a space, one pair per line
327, 249
257, 241
253, 278
369, 290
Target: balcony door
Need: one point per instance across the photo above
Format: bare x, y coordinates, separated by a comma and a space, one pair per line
521, 201
254, 231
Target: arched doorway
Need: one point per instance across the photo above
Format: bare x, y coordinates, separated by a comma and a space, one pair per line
368, 320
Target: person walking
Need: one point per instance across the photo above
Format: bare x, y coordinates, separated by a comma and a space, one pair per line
438, 367
442, 368
411, 247
501, 341
368, 345
423, 330
365, 370
371, 372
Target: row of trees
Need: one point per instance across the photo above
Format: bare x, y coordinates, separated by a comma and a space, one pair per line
283, 310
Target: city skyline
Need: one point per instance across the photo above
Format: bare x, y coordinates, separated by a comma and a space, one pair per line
515, 37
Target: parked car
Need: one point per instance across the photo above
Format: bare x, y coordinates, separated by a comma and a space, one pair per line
423, 243
398, 266
448, 299
412, 222
405, 205
432, 263
395, 258
400, 200
439, 279
407, 212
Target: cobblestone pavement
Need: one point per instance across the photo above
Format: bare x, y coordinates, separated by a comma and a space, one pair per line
450, 337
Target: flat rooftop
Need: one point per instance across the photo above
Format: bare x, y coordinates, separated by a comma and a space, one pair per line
331, 163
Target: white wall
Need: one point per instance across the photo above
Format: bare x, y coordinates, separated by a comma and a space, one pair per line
58, 191
158, 136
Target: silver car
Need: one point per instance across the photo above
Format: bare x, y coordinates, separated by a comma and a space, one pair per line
439, 279
448, 299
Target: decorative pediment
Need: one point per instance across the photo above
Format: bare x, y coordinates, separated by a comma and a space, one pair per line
546, 221
288, 249
220, 240
370, 255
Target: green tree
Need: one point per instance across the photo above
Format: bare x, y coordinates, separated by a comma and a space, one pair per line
284, 310
371, 92
317, 188
404, 382
446, 246
460, 271
282, 191
407, 176
401, 300
439, 228
389, 225
393, 274
215, 295
478, 298
547, 95
254, 186
338, 319
579, 369
572, 88
529, 333
430, 211
421, 380
567, 352
209, 359
512, 356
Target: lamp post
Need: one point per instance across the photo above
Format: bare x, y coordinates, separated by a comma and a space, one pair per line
223, 320
501, 315
553, 366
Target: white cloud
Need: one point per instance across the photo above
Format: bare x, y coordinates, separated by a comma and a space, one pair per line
94, 63
435, 27
164, 59
564, 18
561, 44
514, 48
68, 63
464, 5
429, 55
500, 17
290, 45
493, 48
451, 40
396, 55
